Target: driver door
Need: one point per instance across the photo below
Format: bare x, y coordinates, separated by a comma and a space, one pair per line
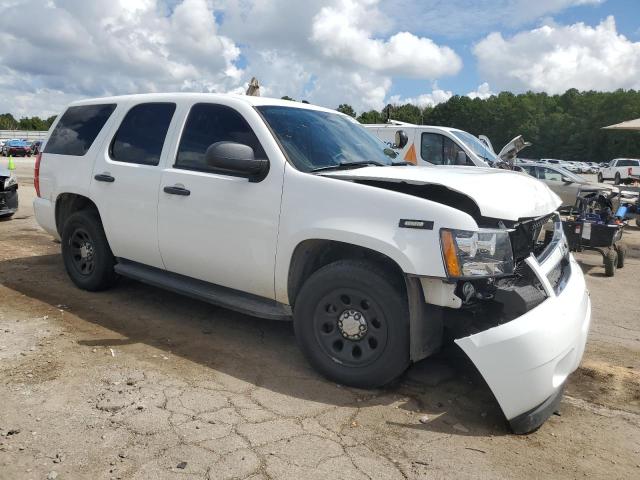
214, 226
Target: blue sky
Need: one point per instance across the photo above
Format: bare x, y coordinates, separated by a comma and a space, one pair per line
625, 12
364, 52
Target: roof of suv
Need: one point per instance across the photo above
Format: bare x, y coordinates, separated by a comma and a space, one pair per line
203, 97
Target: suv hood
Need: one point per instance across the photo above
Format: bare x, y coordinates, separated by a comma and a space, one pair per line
500, 194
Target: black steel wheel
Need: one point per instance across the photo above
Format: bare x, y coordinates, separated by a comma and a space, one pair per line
352, 324
86, 253
617, 179
82, 252
600, 178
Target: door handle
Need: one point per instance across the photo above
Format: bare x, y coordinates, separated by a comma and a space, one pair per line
175, 190
104, 177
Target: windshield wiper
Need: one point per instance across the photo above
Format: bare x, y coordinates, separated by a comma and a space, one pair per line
348, 165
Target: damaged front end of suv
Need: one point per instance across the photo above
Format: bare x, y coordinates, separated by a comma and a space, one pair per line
512, 298
8, 193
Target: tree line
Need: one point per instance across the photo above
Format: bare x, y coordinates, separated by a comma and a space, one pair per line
8, 122
567, 126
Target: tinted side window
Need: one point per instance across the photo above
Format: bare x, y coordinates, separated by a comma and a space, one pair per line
207, 124
141, 134
431, 148
627, 163
78, 128
550, 175
440, 150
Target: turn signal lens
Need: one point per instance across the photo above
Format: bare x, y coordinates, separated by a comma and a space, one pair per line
450, 253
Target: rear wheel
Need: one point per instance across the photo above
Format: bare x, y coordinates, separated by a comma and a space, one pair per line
86, 252
610, 262
352, 324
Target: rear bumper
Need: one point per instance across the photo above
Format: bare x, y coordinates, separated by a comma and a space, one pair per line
44, 211
8, 203
526, 361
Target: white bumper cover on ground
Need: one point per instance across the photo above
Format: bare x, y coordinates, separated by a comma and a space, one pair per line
526, 361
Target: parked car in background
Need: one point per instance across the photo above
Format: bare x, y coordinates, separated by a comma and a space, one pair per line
306, 216
565, 184
35, 147
16, 148
442, 146
8, 192
620, 170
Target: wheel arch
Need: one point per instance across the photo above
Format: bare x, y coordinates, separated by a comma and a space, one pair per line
68, 203
425, 327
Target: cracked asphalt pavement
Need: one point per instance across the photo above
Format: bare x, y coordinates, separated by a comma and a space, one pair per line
140, 383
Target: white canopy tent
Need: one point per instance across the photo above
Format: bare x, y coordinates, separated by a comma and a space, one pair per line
629, 125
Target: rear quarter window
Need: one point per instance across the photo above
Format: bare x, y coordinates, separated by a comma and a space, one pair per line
78, 128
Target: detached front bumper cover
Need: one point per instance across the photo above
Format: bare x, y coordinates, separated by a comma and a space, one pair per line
527, 360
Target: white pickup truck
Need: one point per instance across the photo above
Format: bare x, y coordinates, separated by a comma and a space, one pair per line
620, 170
290, 211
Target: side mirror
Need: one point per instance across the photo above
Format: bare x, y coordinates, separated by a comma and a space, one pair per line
236, 159
566, 180
461, 158
401, 139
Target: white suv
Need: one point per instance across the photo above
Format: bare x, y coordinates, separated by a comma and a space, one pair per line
290, 211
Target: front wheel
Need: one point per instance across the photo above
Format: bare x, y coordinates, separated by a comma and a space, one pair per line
86, 252
352, 324
600, 178
617, 179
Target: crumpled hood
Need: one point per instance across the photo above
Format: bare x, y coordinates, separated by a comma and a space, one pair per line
501, 194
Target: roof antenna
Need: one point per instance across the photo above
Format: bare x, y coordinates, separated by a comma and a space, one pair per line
254, 88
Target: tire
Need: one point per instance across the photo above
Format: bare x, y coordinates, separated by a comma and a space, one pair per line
600, 178
621, 250
376, 310
616, 180
638, 220
86, 253
610, 262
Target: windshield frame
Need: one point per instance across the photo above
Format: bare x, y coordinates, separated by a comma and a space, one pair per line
348, 121
464, 138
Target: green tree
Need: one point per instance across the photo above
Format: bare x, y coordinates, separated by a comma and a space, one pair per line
346, 109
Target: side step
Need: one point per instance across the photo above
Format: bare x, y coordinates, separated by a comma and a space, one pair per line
208, 292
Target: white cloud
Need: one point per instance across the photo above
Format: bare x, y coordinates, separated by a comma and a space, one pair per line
107, 47
482, 92
431, 99
325, 51
554, 58
344, 32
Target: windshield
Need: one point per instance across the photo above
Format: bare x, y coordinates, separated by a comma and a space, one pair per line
315, 140
571, 176
476, 146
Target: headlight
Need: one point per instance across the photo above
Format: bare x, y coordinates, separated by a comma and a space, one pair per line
12, 181
485, 253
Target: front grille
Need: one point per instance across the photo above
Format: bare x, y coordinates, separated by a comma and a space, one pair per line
532, 236
559, 275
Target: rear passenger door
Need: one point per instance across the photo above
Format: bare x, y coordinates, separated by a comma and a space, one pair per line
214, 226
126, 180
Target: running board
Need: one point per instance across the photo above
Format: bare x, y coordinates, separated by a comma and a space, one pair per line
207, 292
